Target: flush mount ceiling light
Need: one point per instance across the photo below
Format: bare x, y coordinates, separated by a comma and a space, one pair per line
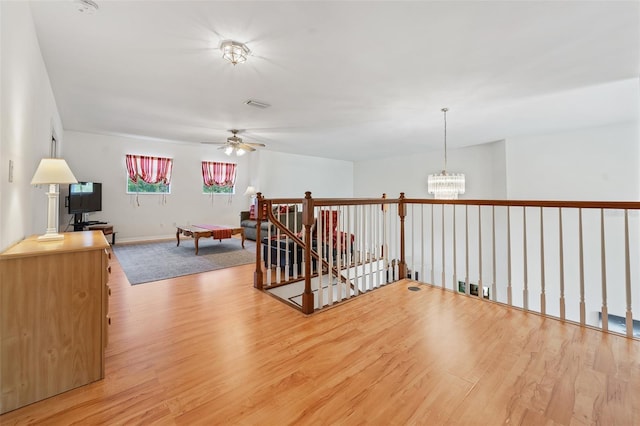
88, 7
234, 51
446, 186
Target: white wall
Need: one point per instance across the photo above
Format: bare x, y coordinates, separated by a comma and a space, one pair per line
28, 113
483, 166
281, 175
601, 163
101, 158
598, 163
587, 164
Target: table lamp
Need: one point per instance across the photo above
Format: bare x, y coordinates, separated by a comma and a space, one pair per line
251, 192
52, 171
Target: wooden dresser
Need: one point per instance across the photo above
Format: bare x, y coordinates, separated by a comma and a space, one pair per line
54, 303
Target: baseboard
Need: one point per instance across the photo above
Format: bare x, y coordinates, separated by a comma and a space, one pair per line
135, 240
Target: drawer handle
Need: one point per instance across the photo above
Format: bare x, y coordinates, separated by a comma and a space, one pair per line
109, 255
109, 291
109, 320
109, 269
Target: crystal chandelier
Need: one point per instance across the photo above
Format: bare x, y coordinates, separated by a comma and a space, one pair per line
445, 186
234, 51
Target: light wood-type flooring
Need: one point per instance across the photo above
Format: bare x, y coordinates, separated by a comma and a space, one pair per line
210, 349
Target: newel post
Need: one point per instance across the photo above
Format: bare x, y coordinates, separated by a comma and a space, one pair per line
402, 212
257, 275
307, 221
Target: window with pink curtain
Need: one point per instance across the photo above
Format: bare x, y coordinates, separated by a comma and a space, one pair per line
218, 178
148, 174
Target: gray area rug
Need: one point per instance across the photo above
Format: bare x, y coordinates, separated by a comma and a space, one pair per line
156, 261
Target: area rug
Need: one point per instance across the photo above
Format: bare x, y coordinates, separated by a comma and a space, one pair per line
156, 261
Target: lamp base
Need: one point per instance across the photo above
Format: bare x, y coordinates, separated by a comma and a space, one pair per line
51, 237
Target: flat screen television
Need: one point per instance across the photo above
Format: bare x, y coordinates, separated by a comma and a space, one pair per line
85, 197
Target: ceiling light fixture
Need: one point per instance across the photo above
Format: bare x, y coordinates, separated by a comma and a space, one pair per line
230, 150
446, 186
234, 51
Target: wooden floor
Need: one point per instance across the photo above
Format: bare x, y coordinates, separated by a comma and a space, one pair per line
210, 349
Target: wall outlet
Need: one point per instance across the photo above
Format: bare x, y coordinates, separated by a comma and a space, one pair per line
10, 171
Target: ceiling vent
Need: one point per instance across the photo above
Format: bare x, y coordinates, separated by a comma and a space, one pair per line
257, 104
88, 7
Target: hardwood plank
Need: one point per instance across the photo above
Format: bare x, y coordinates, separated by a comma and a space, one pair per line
211, 349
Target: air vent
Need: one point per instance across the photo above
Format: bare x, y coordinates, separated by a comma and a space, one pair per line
257, 104
88, 7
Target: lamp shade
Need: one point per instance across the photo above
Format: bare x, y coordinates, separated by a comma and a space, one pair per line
251, 190
53, 170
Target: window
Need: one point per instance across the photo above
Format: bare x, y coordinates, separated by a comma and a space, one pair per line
142, 187
148, 175
218, 178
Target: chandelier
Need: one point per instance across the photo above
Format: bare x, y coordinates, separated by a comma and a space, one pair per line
445, 186
234, 51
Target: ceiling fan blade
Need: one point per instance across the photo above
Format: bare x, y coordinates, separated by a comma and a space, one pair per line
259, 145
246, 147
214, 143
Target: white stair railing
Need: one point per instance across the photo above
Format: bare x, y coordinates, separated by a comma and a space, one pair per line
571, 242
588, 271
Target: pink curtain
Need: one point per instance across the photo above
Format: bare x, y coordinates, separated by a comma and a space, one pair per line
149, 169
218, 174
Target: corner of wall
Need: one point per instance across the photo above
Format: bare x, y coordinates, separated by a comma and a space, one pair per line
500, 171
28, 112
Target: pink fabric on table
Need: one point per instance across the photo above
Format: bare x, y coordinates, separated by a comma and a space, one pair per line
219, 232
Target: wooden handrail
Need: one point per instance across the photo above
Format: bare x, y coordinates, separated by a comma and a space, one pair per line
630, 205
321, 202
366, 219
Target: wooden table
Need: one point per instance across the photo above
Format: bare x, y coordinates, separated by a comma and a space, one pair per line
217, 232
106, 230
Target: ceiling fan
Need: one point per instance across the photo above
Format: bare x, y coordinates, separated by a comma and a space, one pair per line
236, 145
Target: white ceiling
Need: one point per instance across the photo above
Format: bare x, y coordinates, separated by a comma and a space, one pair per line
348, 80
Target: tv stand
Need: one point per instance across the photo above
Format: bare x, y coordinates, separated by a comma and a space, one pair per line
106, 230
93, 225
79, 223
